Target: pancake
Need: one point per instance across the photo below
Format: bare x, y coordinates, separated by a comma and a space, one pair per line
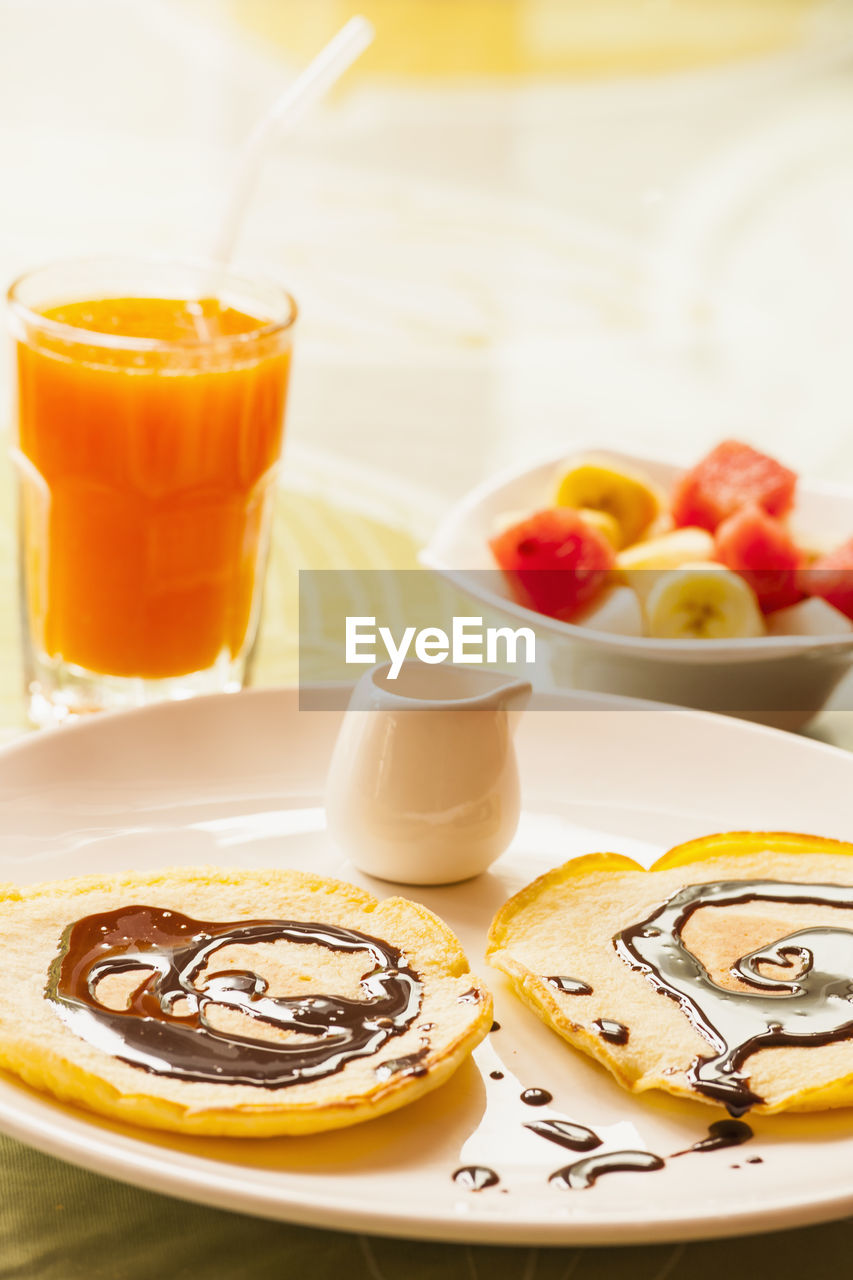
243, 1003
723, 974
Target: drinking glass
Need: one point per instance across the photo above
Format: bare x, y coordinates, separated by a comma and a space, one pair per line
148, 433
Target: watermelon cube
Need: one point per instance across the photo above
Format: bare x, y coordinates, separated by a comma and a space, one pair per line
555, 562
730, 477
762, 551
831, 578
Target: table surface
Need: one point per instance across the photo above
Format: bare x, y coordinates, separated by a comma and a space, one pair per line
524, 225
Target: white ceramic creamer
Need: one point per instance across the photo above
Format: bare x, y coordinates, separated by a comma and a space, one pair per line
423, 785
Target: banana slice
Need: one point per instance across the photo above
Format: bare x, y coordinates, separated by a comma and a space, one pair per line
662, 524
641, 565
812, 617
629, 496
605, 523
702, 602
618, 611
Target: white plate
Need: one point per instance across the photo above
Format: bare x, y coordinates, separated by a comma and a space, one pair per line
237, 780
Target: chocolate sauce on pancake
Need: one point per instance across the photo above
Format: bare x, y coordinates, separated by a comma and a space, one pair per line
411, 1065
151, 1034
583, 1173
614, 1032
813, 1008
571, 986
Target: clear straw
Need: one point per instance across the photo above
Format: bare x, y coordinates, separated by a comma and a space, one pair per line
307, 89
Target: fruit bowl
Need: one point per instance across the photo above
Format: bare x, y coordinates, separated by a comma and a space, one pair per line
775, 679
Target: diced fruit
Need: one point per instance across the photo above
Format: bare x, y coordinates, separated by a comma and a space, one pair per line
617, 610
732, 476
662, 523
831, 578
702, 602
641, 565
605, 523
554, 561
761, 550
630, 497
812, 617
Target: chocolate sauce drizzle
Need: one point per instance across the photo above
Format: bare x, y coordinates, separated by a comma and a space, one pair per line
537, 1097
613, 1032
721, 1134
566, 1134
476, 1177
583, 1173
814, 1008
151, 1035
411, 1065
571, 986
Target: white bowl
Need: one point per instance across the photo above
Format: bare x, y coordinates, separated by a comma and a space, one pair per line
775, 679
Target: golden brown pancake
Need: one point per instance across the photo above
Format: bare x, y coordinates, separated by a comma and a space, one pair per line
232, 1002
723, 974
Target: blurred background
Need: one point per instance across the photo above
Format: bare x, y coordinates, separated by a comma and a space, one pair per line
517, 226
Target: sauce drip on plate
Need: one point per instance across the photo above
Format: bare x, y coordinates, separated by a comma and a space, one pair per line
577, 1137
584, 1173
721, 1134
476, 1177
537, 1097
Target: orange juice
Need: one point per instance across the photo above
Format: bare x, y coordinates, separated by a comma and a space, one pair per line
149, 433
